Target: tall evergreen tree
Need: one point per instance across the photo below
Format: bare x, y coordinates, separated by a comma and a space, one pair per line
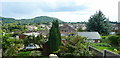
54, 40
99, 23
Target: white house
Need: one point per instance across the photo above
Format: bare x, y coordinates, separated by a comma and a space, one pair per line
91, 36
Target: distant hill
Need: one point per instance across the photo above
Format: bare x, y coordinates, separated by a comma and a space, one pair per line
40, 19
7, 20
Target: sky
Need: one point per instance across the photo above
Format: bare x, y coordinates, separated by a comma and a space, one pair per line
65, 10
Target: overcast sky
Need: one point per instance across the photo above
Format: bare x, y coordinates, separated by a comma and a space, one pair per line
66, 10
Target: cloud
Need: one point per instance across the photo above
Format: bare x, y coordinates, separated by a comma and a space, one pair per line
61, 6
66, 10
27, 9
18, 8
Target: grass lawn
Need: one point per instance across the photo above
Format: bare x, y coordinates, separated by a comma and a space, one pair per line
24, 53
101, 48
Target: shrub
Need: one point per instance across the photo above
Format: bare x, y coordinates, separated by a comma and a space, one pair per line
114, 40
118, 34
104, 39
76, 46
118, 41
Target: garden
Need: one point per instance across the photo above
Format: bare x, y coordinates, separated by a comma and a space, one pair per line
111, 43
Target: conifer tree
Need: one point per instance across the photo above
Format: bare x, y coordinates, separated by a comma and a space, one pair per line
54, 40
99, 23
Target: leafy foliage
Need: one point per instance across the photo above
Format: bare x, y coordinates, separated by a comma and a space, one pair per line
35, 40
76, 46
12, 27
104, 39
114, 40
10, 46
11, 51
99, 23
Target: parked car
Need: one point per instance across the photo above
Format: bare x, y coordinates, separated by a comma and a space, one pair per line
30, 46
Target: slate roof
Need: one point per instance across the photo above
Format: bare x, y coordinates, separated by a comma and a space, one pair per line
90, 35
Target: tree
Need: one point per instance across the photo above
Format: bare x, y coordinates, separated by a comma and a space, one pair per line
11, 51
75, 46
10, 46
99, 23
54, 40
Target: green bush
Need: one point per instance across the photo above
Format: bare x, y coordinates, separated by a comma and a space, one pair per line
104, 39
114, 40
75, 46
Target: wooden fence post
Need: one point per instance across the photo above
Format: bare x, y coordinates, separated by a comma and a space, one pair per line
89, 48
104, 53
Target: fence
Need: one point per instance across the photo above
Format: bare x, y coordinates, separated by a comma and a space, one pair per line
109, 53
105, 54
96, 51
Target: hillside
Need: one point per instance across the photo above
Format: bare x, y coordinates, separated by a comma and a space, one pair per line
40, 19
7, 20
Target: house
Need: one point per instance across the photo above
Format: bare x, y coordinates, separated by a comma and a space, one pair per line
22, 36
35, 33
43, 32
32, 27
32, 33
115, 27
66, 30
42, 25
91, 36
83, 26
